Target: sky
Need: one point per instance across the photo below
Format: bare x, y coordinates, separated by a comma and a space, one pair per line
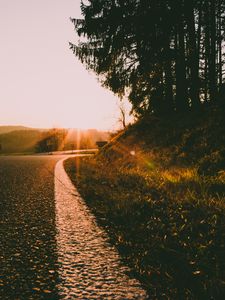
42, 84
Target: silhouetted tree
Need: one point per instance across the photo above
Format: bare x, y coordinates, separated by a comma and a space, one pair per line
51, 140
166, 55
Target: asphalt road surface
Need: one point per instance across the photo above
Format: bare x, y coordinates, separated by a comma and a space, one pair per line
50, 244
28, 250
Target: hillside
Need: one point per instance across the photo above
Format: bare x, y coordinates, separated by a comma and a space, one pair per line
19, 141
10, 128
196, 140
158, 190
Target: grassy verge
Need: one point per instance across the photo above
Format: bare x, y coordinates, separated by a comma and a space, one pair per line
158, 189
168, 225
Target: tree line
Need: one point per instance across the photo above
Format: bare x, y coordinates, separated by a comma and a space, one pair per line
57, 139
166, 56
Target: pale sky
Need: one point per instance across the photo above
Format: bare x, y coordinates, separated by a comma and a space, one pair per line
42, 84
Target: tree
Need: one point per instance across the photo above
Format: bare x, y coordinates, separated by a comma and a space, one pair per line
167, 55
51, 140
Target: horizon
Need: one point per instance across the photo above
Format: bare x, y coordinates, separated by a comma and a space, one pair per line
58, 128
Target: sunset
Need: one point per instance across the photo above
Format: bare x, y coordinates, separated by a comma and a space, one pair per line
112, 149
42, 83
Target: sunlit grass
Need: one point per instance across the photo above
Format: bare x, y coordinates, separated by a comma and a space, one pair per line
166, 223
179, 175
158, 189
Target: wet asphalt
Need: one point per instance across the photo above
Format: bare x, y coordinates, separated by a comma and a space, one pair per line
28, 252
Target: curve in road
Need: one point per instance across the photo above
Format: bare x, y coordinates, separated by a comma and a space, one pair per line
90, 267
50, 244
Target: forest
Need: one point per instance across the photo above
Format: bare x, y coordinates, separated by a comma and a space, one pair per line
166, 57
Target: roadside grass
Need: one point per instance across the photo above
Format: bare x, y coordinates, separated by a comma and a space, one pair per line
167, 223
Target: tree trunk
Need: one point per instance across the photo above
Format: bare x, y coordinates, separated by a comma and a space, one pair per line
193, 54
169, 105
199, 29
212, 58
207, 51
220, 62
180, 69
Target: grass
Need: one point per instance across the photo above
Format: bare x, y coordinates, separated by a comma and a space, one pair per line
167, 224
164, 210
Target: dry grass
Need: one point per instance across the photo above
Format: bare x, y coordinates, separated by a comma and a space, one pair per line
158, 189
168, 224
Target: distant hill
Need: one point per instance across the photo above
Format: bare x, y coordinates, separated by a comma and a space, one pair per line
6, 129
18, 141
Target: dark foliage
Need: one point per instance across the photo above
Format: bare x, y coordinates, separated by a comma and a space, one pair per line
51, 140
167, 55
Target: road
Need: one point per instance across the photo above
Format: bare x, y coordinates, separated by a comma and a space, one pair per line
28, 250
50, 244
